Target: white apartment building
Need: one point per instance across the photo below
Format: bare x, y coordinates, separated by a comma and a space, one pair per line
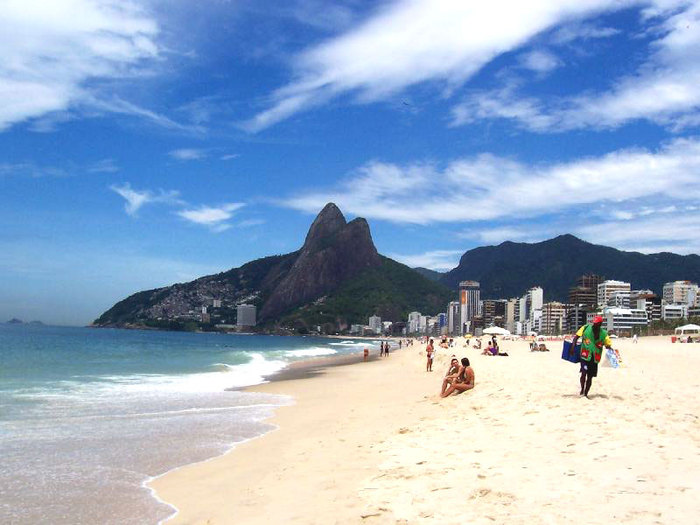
607, 288
245, 315
413, 324
624, 320
681, 292
673, 311
423, 324
375, 324
619, 299
453, 318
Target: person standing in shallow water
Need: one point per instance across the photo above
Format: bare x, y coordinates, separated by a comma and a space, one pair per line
593, 339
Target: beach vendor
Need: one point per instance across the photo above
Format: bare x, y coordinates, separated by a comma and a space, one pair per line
593, 339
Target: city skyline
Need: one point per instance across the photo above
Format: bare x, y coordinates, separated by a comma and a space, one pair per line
148, 142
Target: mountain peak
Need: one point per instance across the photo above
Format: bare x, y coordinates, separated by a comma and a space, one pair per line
328, 222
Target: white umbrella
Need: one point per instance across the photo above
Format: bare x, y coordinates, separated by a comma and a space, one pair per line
496, 330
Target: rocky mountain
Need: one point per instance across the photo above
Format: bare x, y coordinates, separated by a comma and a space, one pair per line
509, 269
335, 279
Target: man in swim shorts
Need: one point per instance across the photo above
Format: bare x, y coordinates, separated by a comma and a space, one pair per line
593, 339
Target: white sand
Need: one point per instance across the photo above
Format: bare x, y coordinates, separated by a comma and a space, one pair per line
374, 443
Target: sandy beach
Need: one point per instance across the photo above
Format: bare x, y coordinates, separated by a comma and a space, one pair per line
374, 443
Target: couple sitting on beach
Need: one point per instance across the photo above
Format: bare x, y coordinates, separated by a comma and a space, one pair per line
492, 349
458, 378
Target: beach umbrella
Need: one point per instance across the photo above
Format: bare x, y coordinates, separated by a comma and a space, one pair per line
496, 330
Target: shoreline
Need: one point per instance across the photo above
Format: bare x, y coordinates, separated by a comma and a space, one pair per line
298, 370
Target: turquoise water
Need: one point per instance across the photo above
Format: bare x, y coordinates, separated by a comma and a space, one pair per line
88, 416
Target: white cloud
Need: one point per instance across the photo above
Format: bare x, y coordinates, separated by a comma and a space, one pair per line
540, 61
412, 41
665, 89
582, 31
135, 199
439, 260
486, 187
230, 156
189, 153
51, 50
103, 166
213, 217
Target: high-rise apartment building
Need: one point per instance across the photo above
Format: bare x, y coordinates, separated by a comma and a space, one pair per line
553, 321
607, 288
454, 322
413, 325
469, 300
375, 324
681, 292
245, 315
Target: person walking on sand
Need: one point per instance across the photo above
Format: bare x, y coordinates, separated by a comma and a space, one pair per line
429, 352
593, 339
463, 382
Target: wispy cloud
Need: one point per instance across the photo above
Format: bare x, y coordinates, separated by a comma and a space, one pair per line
230, 156
52, 49
136, 199
409, 42
213, 217
103, 166
189, 153
30, 169
490, 187
665, 89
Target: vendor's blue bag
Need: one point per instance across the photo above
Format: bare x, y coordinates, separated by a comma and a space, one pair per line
571, 353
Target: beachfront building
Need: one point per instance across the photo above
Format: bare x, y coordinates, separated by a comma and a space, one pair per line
649, 301
669, 312
442, 323
681, 292
576, 317
413, 325
356, 329
625, 320
245, 315
619, 299
453, 318
511, 315
375, 324
553, 320
469, 302
534, 303
607, 288
494, 312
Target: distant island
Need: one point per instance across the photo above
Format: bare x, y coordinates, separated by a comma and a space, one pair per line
14, 320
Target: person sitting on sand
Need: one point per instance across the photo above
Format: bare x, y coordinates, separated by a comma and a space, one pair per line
463, 382
451, 375
490, 350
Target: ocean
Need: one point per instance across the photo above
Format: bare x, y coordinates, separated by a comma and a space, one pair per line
89, 416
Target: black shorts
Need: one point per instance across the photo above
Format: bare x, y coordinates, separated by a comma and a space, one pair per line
590, 368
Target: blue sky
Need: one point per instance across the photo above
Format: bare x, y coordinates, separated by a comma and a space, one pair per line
144, 143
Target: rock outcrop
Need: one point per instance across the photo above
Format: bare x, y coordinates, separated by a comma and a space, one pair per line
334, 251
